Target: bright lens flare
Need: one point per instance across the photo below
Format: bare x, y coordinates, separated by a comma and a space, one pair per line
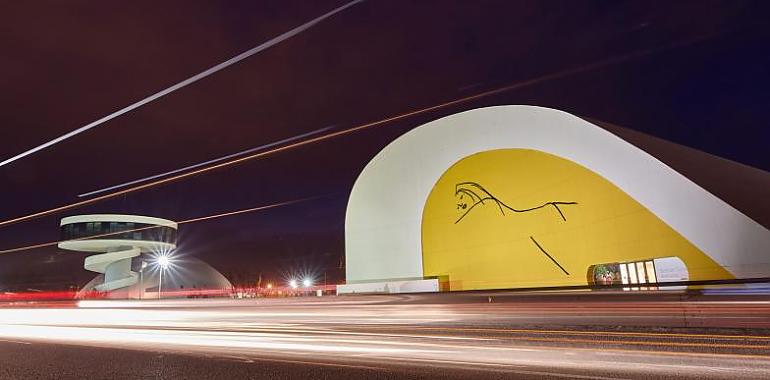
163, 258
293, 284
164, 262
307, 283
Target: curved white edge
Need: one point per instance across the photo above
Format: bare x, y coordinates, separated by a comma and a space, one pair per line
130, 279
99, 263
383, 217
103, 245
117, 218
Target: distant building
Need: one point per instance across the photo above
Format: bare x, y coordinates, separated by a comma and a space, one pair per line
127, 247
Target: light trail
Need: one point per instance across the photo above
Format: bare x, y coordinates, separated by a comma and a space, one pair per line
193, 220
204, 163
351, 331
313, 140
184, 83
590, 333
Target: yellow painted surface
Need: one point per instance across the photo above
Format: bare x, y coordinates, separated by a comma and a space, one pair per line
490, 248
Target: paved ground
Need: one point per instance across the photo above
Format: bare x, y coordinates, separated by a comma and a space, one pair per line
590, 336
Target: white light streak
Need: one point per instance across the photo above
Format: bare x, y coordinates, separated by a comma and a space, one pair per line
381, 331
209, 162
184, 83
313, 140
193, 220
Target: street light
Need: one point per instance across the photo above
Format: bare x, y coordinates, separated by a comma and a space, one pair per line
163, 261
141, 280
293, 284
307, 282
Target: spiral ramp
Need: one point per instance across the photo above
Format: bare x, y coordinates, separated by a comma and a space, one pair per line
116, 266
114, 241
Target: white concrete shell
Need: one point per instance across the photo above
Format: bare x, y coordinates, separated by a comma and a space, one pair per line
383, 221
117, 218
115, 263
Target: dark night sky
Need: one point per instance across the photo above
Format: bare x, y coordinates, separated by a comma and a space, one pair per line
703, 84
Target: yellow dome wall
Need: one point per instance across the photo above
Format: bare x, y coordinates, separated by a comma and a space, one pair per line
493, 219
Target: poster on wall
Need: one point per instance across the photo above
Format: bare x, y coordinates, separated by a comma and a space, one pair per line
607, 274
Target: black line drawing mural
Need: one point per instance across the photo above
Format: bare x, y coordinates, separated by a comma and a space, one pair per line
478, 195
549, 256
472, 190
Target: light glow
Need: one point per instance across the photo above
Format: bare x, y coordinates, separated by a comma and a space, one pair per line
164, 261
369, 331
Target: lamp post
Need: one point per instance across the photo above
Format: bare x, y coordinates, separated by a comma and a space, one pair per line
163, 263
141, 280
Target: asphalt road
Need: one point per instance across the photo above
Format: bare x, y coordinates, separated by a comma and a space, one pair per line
523, 336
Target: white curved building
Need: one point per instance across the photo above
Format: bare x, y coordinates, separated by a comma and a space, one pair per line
524, 197
117, 239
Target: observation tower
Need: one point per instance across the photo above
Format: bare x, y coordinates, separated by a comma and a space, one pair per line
117, 239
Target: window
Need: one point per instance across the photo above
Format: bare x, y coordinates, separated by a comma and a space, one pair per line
116, 230
634, 273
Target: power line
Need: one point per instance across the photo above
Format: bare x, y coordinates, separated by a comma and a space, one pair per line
192, 220
209, 162
184, 83
561, 74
